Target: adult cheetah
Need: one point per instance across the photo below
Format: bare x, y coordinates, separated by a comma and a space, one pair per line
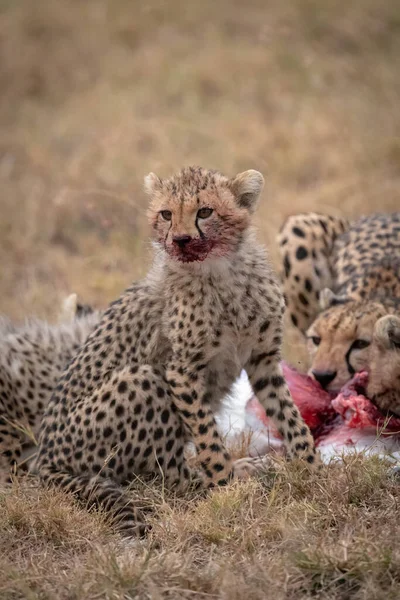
350, 272
154, 371
32, 358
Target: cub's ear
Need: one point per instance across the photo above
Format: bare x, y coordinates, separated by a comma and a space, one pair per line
387, 332
69, 308
327, 299
247, 187
152, 183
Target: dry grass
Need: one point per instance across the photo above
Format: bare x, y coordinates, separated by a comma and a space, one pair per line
291, 535
94, 95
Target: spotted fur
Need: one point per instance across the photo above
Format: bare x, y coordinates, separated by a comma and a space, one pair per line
339, 278
154, 371
32, 358
384, 377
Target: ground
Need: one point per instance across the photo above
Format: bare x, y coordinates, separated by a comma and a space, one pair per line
284, 537
93, 96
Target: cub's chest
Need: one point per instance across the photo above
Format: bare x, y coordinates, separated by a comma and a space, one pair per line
230, 349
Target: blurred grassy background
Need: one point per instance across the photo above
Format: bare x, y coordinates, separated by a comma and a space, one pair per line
95, 94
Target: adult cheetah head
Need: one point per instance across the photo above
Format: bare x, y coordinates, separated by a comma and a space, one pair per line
198, 213
384, 369
339, 340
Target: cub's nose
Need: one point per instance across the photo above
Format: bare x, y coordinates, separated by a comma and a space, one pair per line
324, 378
181, 240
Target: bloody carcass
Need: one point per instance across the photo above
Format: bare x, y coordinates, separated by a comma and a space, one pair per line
346, 423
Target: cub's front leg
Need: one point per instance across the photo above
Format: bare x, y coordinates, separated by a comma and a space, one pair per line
270, 387
185, 375
194, 341
192, 400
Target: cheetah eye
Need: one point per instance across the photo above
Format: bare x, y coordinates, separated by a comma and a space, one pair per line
315, 340
360, 344
166, 215
204, 213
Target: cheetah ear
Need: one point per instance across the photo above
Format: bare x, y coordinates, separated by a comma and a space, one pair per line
152, 183
247, 187
327, 298
69, 308
387, 332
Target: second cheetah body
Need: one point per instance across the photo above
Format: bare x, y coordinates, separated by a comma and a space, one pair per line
340, 279
32, 358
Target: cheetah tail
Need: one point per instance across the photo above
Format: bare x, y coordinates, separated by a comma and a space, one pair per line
100, 492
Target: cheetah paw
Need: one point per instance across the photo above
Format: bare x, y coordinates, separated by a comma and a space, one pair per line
394, 472
246, 467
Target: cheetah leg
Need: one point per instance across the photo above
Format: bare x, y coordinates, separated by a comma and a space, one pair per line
10, 450
266, 377
192, 400
101, 492
135, 431
68, 309
305, 244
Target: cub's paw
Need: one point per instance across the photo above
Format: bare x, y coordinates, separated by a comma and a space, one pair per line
246, 467
394, 472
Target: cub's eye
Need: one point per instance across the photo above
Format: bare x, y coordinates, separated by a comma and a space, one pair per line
166, 215
203, 213
315, 340
360, 344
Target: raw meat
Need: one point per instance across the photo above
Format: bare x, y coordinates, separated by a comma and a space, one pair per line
359, 426
359, 412
347, 423
314, 403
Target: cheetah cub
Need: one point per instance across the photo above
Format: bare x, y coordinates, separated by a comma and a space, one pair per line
153, 373
32, 358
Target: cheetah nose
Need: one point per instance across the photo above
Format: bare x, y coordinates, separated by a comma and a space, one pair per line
181, 240
324, 378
